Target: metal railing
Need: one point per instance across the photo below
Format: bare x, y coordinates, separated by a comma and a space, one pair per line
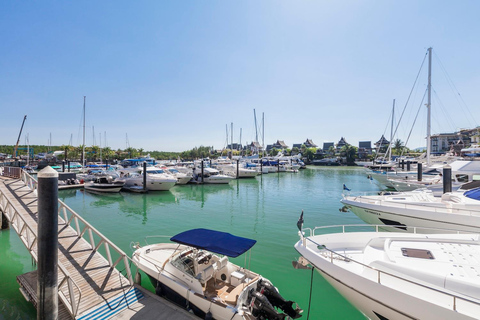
11, 172
72, 219
28, 235
457, 303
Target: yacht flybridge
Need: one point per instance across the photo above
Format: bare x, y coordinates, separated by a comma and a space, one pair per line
390, 275
190, 273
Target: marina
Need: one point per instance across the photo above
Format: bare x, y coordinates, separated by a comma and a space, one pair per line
265, 209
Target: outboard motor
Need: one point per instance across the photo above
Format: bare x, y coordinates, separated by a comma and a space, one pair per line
271, 293
262, 308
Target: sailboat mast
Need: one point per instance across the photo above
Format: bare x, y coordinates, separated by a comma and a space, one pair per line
429, 104
256, 131
263, 133
391, 132
83, 147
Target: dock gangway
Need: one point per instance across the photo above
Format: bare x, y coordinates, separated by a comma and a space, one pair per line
90, 286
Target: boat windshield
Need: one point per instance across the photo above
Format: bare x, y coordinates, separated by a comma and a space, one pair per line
157, 171
184, 262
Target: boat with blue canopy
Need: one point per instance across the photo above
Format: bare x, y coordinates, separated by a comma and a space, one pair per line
194, 271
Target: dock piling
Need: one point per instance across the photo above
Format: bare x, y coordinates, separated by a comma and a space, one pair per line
419, 172
144, 175
47, 282
447, 179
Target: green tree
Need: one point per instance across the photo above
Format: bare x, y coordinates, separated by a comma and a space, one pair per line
349, 152
398, 147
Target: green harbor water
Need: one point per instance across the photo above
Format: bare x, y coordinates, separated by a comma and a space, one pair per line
265, 209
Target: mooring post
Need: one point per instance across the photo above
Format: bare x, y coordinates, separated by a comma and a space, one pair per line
68, 165
238, 164
106, 164
144, 175
447, 179
202, 171
419, 172
47, 281
63, 165
403, 164
408, 165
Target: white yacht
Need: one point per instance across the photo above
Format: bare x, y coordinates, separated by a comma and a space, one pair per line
459, 210
390, 275
195, 272
183, 176
231, 170
104, 184
157, 179
211, 176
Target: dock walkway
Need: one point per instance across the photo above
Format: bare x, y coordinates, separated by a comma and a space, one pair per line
89, 284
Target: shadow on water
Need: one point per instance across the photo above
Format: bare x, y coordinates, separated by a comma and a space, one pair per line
14, 260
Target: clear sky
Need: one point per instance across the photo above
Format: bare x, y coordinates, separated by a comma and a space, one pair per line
171, 75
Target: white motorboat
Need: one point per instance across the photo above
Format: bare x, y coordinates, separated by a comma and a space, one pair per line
231, 170
462, 172
104, 184
182, 177
192, 273
211, 176
459, 210
390, 275
157, 179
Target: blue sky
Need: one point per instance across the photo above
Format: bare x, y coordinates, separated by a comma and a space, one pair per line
171, 75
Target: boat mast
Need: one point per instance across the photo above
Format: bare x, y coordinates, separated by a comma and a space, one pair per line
429, 104
256, 128
83, 147
263, 134
391, 133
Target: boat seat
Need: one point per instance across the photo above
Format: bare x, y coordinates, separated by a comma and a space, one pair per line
206, 274
222, 262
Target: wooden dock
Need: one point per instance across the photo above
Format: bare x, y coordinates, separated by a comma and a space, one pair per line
89, 285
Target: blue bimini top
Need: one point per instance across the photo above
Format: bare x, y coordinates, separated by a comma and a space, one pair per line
473, 194
215, 241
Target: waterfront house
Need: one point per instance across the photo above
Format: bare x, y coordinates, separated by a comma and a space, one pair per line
382, 145
364, 149
342, 142
309, 144
280, 144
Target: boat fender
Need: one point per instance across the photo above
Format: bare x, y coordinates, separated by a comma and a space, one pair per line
208, 316
158, 289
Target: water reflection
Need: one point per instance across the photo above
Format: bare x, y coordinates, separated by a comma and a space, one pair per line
200, 192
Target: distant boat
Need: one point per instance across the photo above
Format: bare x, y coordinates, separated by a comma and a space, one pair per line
104, 184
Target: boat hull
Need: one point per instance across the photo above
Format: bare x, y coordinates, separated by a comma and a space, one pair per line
374, 294
436, 218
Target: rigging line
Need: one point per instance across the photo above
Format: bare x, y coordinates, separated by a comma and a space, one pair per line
454, 88
311, 289
418, 111
445, 112
410, 95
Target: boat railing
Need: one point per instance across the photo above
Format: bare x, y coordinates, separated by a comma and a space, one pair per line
95, 239
455, 302
447, 208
